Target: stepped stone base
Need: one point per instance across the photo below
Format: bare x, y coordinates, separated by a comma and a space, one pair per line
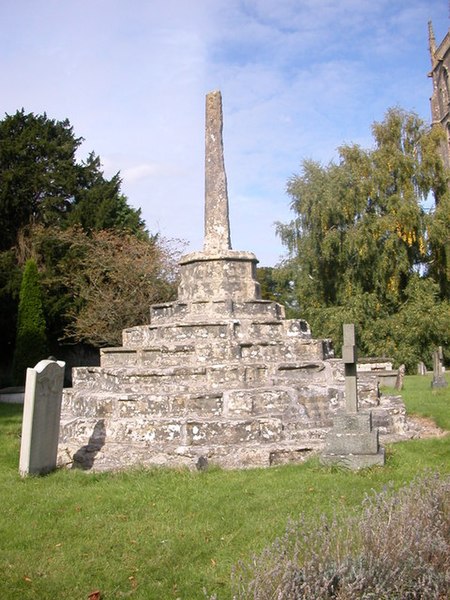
250, 389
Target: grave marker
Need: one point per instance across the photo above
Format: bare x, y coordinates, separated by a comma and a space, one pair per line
439, 380
352, 442
349, 357
41, 417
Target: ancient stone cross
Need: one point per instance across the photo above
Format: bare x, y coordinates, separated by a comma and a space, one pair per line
217, 224
349, 358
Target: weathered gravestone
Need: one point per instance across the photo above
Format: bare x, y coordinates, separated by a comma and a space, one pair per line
421, 368
352, 442
400, 377
439, 380
41, 417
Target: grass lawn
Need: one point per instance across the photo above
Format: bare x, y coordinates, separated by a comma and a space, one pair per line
166, 534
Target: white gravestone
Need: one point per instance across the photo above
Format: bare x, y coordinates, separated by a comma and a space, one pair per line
41, 417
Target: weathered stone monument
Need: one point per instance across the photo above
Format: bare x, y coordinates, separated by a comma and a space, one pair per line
352, 442
41, 417
400, 377
439, 380
219, 375
421, 368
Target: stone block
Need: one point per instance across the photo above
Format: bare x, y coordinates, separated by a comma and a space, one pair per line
265, 330
135, 405
289, 456
228, 275
204, 404
266, 401
353, 423
222, 432
296, 328
294, 349
118, 357
148, 431
270, 430
303, 429
276, 401
98, 405
354, 461
137, 337
352, 443
297, 373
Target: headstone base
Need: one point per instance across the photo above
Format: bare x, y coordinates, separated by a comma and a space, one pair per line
354, 461
352, 443
439, 382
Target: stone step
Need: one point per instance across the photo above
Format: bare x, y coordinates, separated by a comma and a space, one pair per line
165, 356
288, 349
215, 376
293, 349
145, 336
215, 310
289, 404
104, 454
171, 380
159, 433
233, 330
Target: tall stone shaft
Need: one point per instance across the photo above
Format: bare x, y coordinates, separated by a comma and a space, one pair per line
217, 223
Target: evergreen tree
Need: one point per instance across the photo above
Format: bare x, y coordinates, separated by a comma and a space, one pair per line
41, 181
31, 340
43, 185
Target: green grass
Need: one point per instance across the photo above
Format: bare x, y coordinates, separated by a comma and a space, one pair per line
167, 534
421, 400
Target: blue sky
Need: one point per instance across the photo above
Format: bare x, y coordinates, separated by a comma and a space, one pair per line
298, 78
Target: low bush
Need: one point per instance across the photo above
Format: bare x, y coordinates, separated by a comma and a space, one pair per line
398, 546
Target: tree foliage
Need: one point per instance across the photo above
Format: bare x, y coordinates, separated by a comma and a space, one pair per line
361, 244
100, 269
42, 182
31, 342
98, 284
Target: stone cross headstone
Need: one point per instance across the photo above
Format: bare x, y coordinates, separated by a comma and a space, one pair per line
439, 380
352, 442
217, 222
41, 417
349, 358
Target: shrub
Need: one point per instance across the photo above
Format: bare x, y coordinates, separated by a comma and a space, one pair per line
397, 547
31, 341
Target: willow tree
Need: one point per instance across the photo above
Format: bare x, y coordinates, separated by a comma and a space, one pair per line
361, 236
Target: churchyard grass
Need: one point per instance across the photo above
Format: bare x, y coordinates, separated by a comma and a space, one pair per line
423, 401
162, 534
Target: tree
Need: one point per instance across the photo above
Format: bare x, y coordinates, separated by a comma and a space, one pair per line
360, 234
10, 279
97, 284
277, 285
99, 204
41, 181
42, 184
31, 342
